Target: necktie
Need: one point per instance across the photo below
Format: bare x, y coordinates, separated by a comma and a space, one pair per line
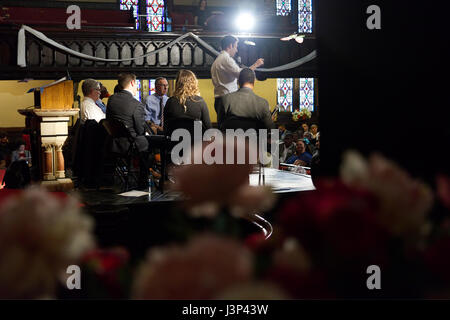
161, 113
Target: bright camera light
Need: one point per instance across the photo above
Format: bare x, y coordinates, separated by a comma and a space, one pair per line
245, 21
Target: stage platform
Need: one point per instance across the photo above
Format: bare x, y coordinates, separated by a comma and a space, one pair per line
280, 181
140, 222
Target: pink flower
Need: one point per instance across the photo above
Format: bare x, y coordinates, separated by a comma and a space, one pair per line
40, 236
201, 269
337, 220
404, 202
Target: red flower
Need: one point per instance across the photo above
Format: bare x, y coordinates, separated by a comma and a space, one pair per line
309, 285
337, 222
255, 241
437, 259
106, 261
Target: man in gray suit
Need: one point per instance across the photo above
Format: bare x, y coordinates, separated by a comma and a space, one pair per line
244, 104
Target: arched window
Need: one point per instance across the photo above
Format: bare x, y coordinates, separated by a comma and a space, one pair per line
307, 93
155, 15
305, 16
295, 91
284, 89
154, 12
283, 7
131, 5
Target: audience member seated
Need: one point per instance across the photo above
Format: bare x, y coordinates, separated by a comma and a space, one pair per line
310, 146
314, 130
122, 106
20, 154
305, 127
103, 94
287, 149
5, 150
315, 157
89, 109
201, 14
283, 131
186, 101
244, 103
154, 105
301, 156
315, 161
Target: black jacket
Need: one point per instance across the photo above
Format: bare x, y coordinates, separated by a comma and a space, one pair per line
124, 107
244, 103
196, 109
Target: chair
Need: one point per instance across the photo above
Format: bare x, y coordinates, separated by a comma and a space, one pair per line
118, 130
88, 139
235, 122
162, 143
180, 123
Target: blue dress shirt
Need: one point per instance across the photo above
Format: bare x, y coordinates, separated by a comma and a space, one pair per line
101, 105
152, 111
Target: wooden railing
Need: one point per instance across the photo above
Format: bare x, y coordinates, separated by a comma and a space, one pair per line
47, 62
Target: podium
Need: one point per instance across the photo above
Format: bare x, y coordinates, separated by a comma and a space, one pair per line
48, 120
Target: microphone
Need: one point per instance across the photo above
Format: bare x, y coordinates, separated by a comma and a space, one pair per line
239, 61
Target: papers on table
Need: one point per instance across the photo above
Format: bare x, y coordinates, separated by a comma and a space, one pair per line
284, 181
134, 193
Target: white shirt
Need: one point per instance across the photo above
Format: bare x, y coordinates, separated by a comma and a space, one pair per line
89, 110
224, 74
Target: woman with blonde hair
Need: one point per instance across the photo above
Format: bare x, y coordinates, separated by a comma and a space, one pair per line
186, 101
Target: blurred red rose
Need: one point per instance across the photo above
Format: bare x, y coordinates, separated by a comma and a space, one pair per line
336, 222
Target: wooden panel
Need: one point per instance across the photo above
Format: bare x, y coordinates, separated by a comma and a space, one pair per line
68, 94
58, 96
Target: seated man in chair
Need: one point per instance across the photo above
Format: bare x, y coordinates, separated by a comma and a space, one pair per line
124, 107
245, 103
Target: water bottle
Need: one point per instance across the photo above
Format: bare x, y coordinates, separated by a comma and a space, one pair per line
151, 186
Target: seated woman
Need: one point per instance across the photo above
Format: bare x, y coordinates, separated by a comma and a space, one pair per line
20, 154
201, 14
301, 156
186, 101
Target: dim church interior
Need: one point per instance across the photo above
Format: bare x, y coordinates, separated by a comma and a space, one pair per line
380, 90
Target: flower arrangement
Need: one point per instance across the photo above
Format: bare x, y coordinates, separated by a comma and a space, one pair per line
40, 236
374, 213
302, 114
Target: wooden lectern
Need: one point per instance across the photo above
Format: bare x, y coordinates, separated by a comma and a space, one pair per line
48, 120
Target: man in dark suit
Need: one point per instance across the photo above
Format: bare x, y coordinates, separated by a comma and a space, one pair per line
124, 107
244, 103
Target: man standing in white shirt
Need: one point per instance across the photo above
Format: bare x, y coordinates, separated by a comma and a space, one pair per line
89, 109
225, 71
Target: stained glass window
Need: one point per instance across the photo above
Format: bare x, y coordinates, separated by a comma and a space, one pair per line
138, 95
283, 7
155, 15
152, 86
307, 93
127, 4
284, 93
305, 16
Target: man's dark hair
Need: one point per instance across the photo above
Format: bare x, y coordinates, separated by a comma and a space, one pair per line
125, 79
227, 40
117, 88
247, 75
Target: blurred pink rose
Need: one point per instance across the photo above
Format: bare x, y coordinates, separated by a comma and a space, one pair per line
40, 236
404, 202
201, 269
